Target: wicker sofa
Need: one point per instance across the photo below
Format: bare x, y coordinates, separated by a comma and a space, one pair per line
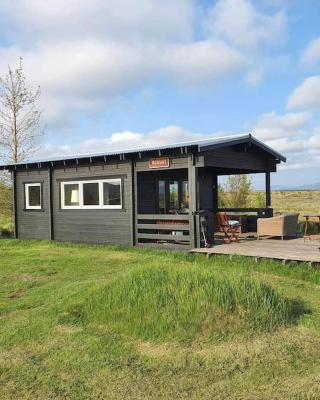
282, 225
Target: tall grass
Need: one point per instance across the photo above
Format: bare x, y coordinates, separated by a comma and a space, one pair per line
161, 303
6, 227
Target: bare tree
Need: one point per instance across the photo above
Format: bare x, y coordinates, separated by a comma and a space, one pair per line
19, 116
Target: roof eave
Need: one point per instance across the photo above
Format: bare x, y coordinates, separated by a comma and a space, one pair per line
244, 139
68, 161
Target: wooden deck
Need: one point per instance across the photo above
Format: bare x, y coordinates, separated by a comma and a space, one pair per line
294, 250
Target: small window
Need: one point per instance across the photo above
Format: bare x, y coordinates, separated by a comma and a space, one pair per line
91, 194
70, 195
33, 196
112, 193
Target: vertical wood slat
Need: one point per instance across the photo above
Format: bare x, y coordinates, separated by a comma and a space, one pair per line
50, 205
14, 195
193, 200
215, 193
268, 190
134, 202
135, 205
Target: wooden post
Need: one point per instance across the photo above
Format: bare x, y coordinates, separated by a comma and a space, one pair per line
14, 198
135, 205
268, 190
50, 203
215, 193
193, 201
215, 208
134, 202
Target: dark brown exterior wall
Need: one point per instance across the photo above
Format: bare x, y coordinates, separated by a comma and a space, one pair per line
94, 226
32, 224
116, 226
239, 160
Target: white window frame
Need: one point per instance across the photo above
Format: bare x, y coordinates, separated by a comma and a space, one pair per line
112, 206
63, 206
26, 189
88, 207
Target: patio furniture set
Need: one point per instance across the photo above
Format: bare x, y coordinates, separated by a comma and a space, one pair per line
282, 225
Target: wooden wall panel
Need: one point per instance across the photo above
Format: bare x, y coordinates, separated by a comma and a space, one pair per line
99, 225
32, 224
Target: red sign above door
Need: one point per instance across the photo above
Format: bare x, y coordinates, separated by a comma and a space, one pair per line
163, 162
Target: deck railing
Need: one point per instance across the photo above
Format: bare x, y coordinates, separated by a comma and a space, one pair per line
262, 211
155, 229
251, 215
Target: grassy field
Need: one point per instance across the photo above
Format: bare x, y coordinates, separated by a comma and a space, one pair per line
91, 322
300, 201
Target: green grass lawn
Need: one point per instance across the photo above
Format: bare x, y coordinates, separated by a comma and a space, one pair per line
94, 322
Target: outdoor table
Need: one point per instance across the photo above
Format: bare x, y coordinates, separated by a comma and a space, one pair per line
307, 217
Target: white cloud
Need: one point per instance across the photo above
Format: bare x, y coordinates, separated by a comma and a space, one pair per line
290, 135
301, 151
55, 20
200, 63
314, 141
79, 76
239, 22
307, 95
286, 145
86, 54
311, 55
122, 141
272, 126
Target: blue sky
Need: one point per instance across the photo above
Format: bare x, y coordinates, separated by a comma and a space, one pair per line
124, 73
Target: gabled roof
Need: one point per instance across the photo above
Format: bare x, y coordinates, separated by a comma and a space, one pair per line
197, 146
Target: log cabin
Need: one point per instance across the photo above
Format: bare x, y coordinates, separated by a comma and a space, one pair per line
155, 196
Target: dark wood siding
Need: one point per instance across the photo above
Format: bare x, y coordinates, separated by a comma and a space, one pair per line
147, 193
239, 160
32, 224
175, 163
206, 190
94, 226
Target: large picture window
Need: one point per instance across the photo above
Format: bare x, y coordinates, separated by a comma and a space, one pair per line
106, 193
33, 196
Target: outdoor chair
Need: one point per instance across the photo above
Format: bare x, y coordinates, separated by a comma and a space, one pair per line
282, 225
230, 228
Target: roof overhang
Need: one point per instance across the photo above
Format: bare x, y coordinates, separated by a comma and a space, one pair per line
245, 139
183, 148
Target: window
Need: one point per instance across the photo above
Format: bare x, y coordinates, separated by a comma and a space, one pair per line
185, 195
112, 193
93, 194
71, 195
33, 196
173, 195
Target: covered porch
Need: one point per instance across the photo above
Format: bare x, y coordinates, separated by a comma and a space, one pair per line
176, 205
